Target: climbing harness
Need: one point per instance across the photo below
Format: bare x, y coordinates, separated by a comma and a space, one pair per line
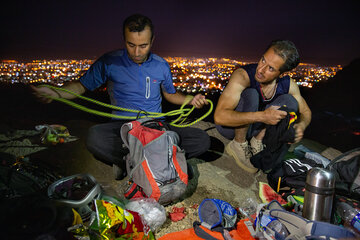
179, 122
54, 134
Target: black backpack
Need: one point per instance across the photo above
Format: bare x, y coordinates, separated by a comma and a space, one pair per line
347, 173
26, 210
21, 177
34, 216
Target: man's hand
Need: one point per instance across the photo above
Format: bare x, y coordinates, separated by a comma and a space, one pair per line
273, 115
198, 101
42, 92
299, 132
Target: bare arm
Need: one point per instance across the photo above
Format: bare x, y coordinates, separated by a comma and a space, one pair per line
225, 113
42, 92
178, 98
304, 110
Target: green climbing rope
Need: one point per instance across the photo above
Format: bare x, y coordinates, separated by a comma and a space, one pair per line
179, 122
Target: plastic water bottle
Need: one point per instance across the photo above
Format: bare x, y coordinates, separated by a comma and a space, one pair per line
249, 209
268, 222
349, 215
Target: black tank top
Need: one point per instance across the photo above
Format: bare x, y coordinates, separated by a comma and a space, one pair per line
283, 84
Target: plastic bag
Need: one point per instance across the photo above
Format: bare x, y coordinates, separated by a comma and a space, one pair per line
150, 210
114, 222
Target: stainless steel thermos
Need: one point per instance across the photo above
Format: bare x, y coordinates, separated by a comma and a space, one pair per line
319, 194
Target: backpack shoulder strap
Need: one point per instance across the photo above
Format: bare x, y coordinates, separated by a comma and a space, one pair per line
127, 127
124, 132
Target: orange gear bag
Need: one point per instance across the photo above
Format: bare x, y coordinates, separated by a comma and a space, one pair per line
240, 233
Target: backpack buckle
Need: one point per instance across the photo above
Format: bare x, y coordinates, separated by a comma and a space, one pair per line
134, 191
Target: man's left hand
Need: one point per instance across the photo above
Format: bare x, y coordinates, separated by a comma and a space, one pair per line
299, 132
199, 101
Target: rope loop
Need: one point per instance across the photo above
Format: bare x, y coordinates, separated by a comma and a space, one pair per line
178, 122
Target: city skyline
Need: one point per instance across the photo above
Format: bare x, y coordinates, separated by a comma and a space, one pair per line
325, 32
207, 75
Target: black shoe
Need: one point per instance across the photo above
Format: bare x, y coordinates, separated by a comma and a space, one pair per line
190, 171
119, 173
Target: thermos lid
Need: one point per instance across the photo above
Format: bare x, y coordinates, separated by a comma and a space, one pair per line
321, 178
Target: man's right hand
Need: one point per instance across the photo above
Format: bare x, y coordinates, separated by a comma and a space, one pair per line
272, 115
42, 93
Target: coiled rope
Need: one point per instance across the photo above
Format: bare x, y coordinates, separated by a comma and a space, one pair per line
179, 122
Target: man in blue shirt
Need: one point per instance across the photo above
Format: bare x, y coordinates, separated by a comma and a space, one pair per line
135, 79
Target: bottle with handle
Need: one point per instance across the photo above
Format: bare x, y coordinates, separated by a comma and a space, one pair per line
349, 215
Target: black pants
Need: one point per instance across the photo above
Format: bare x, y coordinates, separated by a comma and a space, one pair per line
105, 143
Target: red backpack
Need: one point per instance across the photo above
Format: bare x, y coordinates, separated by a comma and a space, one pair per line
156, 164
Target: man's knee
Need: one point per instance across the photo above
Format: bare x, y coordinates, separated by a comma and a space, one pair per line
292, 103
93, 137
288, 100
200, 144
249, 101
205, 141
250, 94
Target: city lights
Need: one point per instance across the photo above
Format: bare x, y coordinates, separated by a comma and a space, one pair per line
192, 75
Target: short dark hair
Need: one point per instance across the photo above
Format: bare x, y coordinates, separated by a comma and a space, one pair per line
287, 51
137, 23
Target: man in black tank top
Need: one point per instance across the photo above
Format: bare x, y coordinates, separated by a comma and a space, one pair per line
252, 99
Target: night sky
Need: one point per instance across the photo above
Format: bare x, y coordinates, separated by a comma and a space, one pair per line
325, 32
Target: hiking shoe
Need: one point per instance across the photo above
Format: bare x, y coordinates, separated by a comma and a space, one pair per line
256, 146
242, 154
119, 173
190, 171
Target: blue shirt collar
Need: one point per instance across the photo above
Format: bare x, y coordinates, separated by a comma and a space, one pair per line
132, 62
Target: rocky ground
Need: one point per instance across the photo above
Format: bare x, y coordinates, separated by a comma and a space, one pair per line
216, 174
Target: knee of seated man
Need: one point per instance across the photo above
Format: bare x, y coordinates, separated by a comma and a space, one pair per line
290, 102
250, 93
207, 141
293, 104
204, 141
93, 136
